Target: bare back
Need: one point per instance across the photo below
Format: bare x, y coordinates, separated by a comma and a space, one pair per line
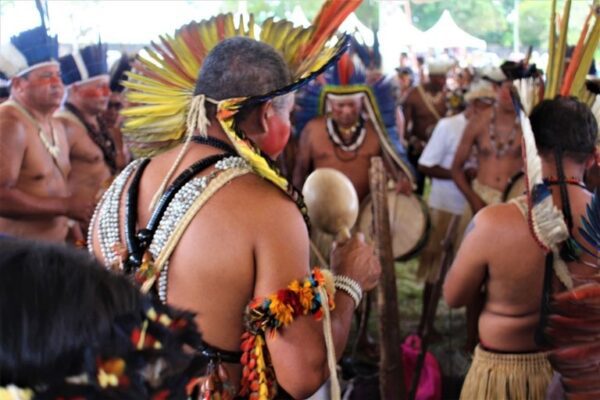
27, 165
248, 240
89, 173
500, 254
318, 151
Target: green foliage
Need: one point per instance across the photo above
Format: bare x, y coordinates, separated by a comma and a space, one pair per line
485, 19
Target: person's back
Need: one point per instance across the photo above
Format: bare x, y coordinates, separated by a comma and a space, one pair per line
500, 253
246, 240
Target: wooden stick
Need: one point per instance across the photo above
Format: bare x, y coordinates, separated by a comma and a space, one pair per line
391, 377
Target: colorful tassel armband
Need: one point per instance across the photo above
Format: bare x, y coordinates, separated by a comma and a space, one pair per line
273, 313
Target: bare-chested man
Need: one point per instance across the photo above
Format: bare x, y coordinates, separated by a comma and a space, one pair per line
249, 239
93, 154
496, 135
422, 108
35, 201
500, 254
344, 141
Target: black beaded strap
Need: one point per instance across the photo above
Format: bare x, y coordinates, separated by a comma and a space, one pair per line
131, 215
214, 142
137, 243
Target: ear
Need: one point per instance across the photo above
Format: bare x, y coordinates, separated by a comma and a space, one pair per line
264, 112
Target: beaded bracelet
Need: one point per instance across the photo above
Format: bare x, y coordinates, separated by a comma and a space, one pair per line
350, 287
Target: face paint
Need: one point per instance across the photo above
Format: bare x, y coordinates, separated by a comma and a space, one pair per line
95, 92
45, 81
277, 137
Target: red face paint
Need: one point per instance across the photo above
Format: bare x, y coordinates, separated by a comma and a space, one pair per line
277, 137
45, 81
95, 92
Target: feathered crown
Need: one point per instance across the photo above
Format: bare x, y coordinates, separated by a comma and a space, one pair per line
164, 80
28, 50
118, 73
546, 221
349, 78
84, 64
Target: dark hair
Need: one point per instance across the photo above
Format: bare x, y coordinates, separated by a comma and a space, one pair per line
240, 67
564, 124
54, 302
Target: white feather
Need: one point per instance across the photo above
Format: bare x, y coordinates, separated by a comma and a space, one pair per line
12, 61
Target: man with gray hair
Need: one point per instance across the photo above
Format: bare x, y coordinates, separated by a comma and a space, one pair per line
227, 230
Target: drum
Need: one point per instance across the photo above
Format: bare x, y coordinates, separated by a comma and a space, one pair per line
409, 223
515, 187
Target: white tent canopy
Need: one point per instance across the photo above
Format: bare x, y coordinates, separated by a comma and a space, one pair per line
396, 34
445, 33
353, 26
298, 17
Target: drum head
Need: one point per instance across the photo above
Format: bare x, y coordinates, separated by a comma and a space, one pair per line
515, 187
409, 223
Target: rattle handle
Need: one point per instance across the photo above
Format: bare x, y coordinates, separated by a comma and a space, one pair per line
344, 234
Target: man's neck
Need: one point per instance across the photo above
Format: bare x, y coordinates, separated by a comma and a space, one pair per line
571, 169
89, 117
41, 115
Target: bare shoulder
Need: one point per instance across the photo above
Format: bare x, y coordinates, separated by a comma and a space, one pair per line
315, 124
13, 125
269, 203
411, 96
501, 219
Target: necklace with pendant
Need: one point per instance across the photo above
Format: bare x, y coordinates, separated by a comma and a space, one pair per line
502, 147
357, 137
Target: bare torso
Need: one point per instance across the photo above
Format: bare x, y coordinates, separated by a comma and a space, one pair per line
323, 153
41, 175
422, 119
515, 278
495, 169
89, 172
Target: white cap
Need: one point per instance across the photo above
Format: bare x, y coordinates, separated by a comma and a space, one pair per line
480, 90
440, 67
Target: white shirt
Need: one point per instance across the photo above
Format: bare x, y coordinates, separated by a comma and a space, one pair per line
440, 151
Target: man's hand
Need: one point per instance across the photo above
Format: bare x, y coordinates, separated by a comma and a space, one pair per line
356, 259
477, 204
80, 208
403, 186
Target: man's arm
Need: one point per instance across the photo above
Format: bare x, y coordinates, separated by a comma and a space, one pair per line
462, 154
304, 158
467, 273
434, 152
15, 203
282, 255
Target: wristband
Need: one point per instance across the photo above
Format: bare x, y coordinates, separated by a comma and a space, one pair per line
350, 287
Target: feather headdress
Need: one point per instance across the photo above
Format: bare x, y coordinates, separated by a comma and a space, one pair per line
84, 64
348, 78
547, 223
163, 82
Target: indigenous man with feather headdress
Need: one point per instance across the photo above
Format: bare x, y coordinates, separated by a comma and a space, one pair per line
35, 201
210, 225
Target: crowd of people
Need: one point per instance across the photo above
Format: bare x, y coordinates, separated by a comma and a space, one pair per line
180, 172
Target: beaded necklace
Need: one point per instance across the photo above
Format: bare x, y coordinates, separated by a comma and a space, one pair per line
52, 148
502, 147
356, 139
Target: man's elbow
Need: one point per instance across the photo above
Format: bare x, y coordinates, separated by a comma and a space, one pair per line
304, 385
452, 297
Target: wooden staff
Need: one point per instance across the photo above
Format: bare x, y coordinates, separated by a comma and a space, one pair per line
391, 377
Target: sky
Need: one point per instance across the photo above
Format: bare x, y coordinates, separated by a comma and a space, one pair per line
112, 20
